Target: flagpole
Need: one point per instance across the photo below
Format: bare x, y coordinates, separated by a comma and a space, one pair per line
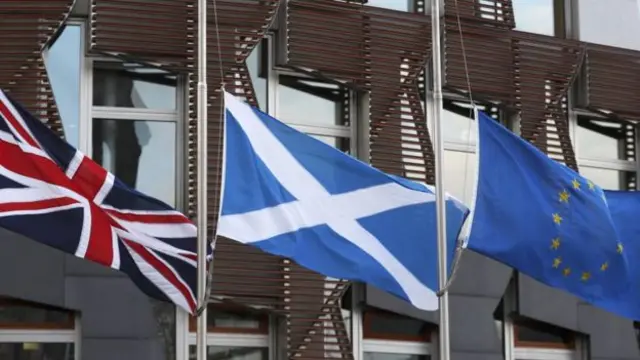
438, 147
201, 330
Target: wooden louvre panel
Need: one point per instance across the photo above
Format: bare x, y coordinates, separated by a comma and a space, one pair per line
498, 13
544, 69
26, 27
160, 32
612, 78
488, 54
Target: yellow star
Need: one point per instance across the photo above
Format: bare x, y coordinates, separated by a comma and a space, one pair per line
620, 248
556, 262
576, 184
604, 266
592, 186
566, 272
556, 218
585, 276
555, 243
564, 196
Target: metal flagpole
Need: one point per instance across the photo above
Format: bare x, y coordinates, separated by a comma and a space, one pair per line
443, 347
201, 331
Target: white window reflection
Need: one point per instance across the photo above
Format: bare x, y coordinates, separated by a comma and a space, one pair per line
603, 140
307, 101
614, 23
62, 61
401, 5
139, 153
459, 174
535, 16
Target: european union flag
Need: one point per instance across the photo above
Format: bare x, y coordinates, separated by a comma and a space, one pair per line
295, 196
544, 219
624, 207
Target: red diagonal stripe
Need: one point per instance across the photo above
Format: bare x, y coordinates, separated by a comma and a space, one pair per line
89, 178
164, 271
100, 248
37, 205
6, 113
150, 218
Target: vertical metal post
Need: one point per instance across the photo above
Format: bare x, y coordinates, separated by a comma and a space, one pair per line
439, 174
202, 97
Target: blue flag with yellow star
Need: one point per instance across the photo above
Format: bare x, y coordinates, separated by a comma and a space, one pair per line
545, 220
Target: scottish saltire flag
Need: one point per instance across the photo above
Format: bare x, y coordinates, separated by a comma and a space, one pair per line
545, 220
292, 195
54, 194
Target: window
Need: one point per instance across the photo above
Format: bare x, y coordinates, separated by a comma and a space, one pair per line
319, 108
258, 66
459, 135
534, 340
314, 107
63, 63
134, 123
527, 339
610, 23
233, 334
535, 16
388, 336
33, 332
606, 152
401, 5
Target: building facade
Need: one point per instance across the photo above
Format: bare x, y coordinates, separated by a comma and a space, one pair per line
116, 79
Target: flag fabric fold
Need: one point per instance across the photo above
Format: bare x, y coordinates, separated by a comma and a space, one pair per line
545, 220
294, 196
80, 208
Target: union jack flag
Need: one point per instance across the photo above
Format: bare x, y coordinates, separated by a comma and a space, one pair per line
54, 194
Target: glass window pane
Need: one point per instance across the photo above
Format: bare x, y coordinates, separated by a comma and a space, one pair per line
231, 353
391, 356
402, 5
459, 174
36, 351
528, 331
382, 324
457, 124
602, 22
535, 16
310, 102
609, 179
256, 63
125, 85
140, 153
62, 61
598, 139
21, 315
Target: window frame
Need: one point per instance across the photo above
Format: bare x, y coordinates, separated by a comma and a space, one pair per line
525, 350
388, 343
273, 80
89, 112
619, 165
68, 333
232, 337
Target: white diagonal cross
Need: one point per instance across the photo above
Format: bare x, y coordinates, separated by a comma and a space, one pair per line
316, 206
